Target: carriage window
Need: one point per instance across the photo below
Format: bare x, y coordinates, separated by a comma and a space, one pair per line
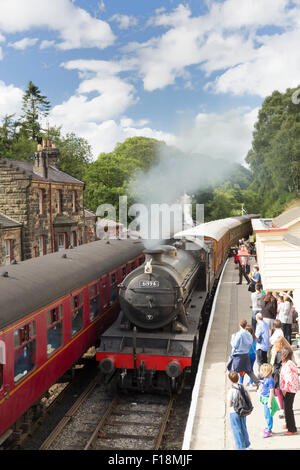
104, 294
124, 272
94, 302
54, 329
132, 266
141, 260
77, 313
2, 361
113, 288
25, 350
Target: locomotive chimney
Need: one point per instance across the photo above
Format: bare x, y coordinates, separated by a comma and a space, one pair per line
155, 255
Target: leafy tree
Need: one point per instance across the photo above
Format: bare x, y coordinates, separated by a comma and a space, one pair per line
111, 174
275, 154
35, 108
75, 152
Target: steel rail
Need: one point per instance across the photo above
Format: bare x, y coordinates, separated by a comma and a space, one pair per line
103, 418
164, 423
70, 413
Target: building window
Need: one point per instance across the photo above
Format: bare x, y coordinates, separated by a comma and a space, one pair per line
94, 302
77, 313
59, 201
9, 251
74, 201
75, 238
42, 245
54, 329
62, 241
25, 350
41, 198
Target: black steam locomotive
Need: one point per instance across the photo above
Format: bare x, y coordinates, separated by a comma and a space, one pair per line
164, 307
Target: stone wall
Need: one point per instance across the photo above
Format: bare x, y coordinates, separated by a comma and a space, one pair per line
40, 224
13, 234
19, 200
14, 189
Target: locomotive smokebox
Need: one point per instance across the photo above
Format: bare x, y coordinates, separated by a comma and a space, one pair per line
152, 296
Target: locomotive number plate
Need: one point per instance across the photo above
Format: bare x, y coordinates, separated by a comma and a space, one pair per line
149, 283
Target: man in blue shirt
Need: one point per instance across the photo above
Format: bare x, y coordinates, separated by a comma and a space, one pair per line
255, 278
262, 334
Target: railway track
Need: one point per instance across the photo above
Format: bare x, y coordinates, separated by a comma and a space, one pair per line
98, 422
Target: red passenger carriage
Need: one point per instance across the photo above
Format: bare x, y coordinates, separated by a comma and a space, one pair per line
52, 310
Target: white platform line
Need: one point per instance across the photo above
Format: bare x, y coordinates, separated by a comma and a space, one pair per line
191, 418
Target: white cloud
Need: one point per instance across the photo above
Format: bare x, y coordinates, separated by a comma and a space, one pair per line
125, 21
10, 99
225, 135
113, 94
44, 44
104, 136
101, 6
76, 28
276, 66
23, 43
226, 41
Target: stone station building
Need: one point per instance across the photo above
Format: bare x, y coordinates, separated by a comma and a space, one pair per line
45, 205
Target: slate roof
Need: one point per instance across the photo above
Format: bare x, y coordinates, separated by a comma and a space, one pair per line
54, 174
287, 217
61, 219
7, 222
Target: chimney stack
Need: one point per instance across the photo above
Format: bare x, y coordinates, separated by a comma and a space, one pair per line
46, 155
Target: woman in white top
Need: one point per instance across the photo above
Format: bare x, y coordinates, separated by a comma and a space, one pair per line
285, 315
278, 333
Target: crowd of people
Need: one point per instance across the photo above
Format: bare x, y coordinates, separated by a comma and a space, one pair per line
266, 343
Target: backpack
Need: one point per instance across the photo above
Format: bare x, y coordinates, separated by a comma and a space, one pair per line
242, 404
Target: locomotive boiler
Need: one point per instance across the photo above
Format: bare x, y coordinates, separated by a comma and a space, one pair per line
155, 294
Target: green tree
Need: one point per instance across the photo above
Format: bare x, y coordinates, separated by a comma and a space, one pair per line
111, 174
35, 107
75, 152
275, 154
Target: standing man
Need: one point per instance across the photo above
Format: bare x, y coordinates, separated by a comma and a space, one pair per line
243, 261
257, 299
262, 334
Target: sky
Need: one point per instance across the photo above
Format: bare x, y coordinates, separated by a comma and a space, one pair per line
193, 73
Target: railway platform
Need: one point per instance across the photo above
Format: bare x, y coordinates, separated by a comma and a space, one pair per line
208, 425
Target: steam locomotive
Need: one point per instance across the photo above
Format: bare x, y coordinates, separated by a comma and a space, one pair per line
164, 307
